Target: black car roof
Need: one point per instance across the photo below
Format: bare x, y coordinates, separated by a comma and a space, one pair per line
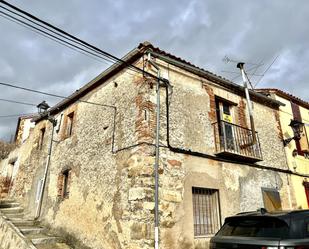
277, 214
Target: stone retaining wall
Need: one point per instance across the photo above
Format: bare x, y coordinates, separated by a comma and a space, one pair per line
10, 237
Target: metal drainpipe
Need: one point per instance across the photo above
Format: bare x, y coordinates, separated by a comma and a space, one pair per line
240, 65
38, 209
157, 155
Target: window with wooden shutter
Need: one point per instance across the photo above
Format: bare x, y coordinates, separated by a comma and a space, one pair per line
206, 211
69, 127
63, 185
302, 145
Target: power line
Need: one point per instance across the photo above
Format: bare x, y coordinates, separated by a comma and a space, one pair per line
17, 102
108, 55
67, 44
15, 115
51, 94
53, 36
51, 30
35, 31
55, 40
266, 70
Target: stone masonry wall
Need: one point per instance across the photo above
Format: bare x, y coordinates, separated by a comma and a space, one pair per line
111, 193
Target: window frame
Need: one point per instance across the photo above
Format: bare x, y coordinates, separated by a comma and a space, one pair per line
69, 124
64, 181
264, 190
41, 138
211, 202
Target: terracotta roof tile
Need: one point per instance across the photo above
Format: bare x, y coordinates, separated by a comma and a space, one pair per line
285, 95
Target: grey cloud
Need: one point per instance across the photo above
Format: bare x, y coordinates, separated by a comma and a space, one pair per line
199, 31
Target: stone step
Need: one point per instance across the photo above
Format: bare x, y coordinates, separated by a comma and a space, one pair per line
12, 216
8, 205
19, 222
31, 229
53, 246
43, 239
4, 201
12, 210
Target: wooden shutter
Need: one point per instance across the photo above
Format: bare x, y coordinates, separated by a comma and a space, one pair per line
304, 145
296, 112
297, 116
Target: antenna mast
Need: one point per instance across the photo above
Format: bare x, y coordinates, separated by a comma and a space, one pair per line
240, 65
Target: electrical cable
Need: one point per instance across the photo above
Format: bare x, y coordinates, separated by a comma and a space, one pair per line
50, 94
137, 69
60, 41
266, 70
45, 27
15, 115
55, 37
17, 102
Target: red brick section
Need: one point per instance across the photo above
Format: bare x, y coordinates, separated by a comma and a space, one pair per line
242, 120
174, 163
146, 120
212, 103
277, 117
64, 121
60, 184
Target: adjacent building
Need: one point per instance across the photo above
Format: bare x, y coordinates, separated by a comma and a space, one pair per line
99, 188
295, 112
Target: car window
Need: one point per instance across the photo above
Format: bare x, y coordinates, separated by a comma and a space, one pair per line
307, 229
253, 227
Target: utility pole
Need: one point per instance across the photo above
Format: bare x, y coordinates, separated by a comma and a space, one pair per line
157, 159
240, 65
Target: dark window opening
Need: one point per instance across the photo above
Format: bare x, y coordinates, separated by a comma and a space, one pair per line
64, 184
41, 141
302, 144
266, 227
206, 211
69, 128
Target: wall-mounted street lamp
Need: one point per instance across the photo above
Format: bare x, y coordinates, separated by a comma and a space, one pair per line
297, 128
42, 107
43, 112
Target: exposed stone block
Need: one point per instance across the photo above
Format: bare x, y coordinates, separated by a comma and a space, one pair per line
141, 230
137, 194
172, 196
149, 205
174, 163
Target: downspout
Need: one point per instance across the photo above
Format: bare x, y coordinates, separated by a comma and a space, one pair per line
156, 231
240, 65
39, 206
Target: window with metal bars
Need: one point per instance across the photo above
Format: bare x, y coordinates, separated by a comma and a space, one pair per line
206, 211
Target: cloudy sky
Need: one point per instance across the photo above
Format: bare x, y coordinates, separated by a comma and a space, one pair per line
200, 31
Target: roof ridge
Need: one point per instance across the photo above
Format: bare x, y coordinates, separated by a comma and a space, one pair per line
286, 94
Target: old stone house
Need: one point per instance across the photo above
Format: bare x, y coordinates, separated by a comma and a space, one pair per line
100, 182
297, 150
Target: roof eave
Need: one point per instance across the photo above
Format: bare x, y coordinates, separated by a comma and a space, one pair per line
130, 57
217, 79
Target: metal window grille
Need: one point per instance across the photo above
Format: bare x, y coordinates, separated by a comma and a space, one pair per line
206, 210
